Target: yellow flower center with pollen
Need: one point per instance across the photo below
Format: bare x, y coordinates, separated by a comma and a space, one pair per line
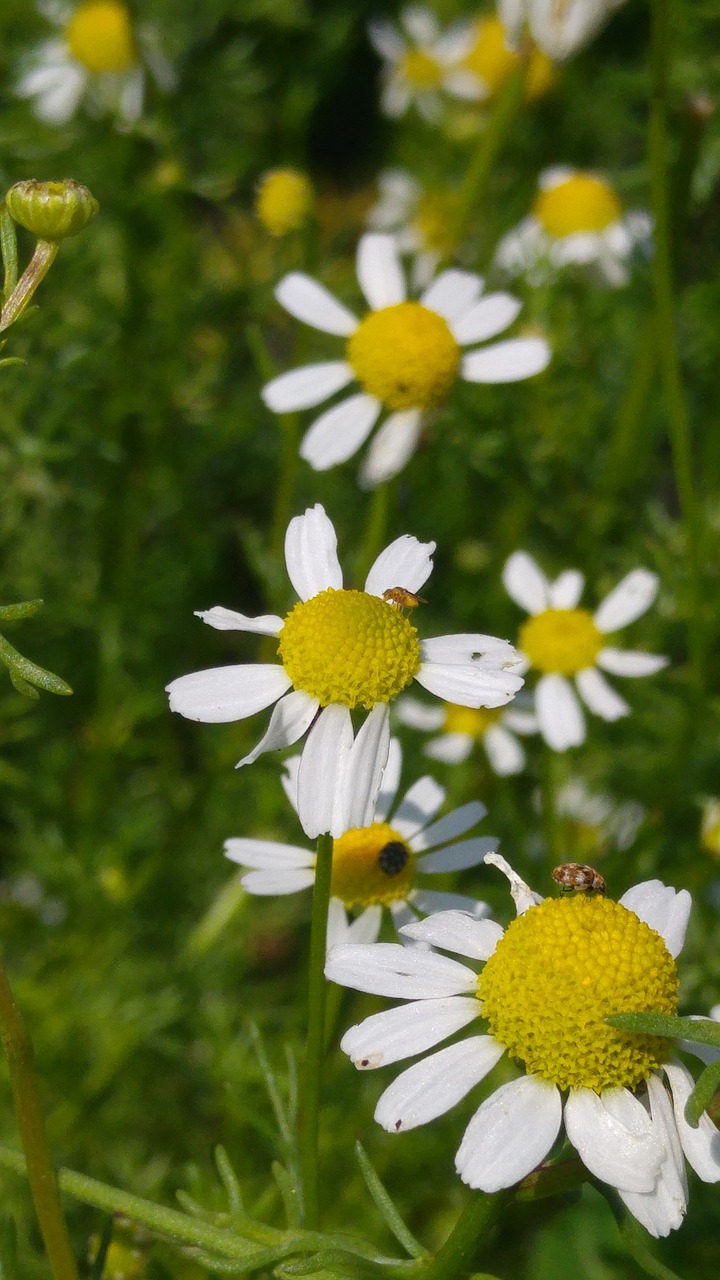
405, 355
99, 36
371, 865
491, 59
475, 722
284, 200
420, 69
580, 203
349, 647
558, 972
562, 640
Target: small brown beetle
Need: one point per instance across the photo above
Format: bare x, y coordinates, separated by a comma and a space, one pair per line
403, 598
573, 877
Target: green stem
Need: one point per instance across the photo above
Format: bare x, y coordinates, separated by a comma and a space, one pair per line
455, 1259
489, 144
675, 408
8, 248
551, 818
285, 487
373, 539
38, 267
625, 451
315, 1047
40, 1171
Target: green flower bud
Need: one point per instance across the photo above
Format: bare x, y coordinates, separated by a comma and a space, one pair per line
51, 210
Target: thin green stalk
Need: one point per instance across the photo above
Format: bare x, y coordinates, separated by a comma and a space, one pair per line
315, 1045
373, 539
8, 249
622, 463
455, 1259
675, 408
551, 818
489, 144
38, 267
40, 1171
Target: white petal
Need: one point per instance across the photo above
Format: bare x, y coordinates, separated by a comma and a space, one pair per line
265, 855
322, 773
521, 893
418, 715
423, 800
309, 301
310, 385
509, 361
338, 433
311, 553
458, 856
526, 583
391, 448
599, 696
386, 40
566, 590
290, 719
510, 1134
487, 318
457, 931
435, 1084
430, 902
447, 828
504, 751
364, 771
390, 781
662, 1210
612, 1133
277, 881
470, 685
365, 928
403, 973
450, 748
663, 908
629, 600
409, 1029
223, 619
452, 294
468, 647
628, 662
701, 1145
338, 926
289, 777
405, 563
420, 24
58, 104
558, 712
222, 694
379, 272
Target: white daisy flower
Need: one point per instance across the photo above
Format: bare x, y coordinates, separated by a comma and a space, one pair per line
567, 644
595, 820
100, 57
421, 62
559, 27
548, 983
576, 221
339, 650
405, 355
384, 865
492, 60
459, 728
420, 222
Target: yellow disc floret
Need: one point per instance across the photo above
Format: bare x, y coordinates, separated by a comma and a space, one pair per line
284, 200
100, 37
580, 203
474, 721
491, 59
558, 972
420, 70
371, 865
562, 640
405, 355
349, 647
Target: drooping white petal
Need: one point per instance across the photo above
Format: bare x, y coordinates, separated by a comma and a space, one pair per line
599, 696
406, 562
510, 1134
487, 318
436, 1083
468, 685
403, 973
450, 748
390, 781
457, 931
452, 293
458, 856
526, 583
613, 1135
432, 901
222, 694
566, 590
520, 892
322, 773
276, 881
363, 776
268, 855
663, 908
311, 302
419, 715
447, 828
628, 662
338, 433
662, 1210
379, 272
307, 386
701, 1145
504, 751
59, 100
391, 448
222, 619
289, 777
364, 929
291, 717
509, 361
630, 599
558, 712
406, 1030
419, 804
311, 553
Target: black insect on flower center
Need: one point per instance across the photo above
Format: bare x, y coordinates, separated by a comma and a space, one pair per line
393, 857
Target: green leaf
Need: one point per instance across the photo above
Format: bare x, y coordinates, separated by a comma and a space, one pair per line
98, 1266
703, 1094
389, 1213
9, 1268
16, 612
697, 1030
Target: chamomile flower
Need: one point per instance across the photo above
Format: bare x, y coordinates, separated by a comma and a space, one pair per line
341, 650
547, 985
405, 355
458, 729
386, 865
576, 221
559, 27
421, 222
567, 645
421, 62
99, 57
492, 60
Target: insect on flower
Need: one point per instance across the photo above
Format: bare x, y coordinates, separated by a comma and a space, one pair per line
403, 598
573, 877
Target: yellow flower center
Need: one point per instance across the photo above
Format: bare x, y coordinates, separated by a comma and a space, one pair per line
405, 355
558, 972
349, 647
580, 203
284, 200
473, 721
371, 865
491, 59
100, 36
420, 69
540, 76
563, 640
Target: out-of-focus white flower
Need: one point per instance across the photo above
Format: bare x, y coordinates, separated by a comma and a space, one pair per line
559, 27
458, 729
421, 222
492, 60
422, 63
595, 820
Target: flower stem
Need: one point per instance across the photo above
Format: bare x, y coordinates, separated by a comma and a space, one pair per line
455, 1259
40, 1171
489, 144
38, 267
375, 528
315, 1047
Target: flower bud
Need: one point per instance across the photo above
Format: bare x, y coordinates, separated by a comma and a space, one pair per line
51, 210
